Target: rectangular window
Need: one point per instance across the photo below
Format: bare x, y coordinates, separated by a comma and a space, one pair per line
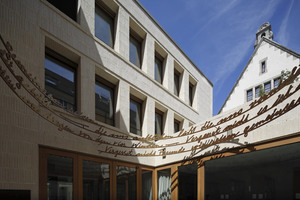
136, 115
176, 82
263, 67
158, 122
176, 126
147, 185
267, 87
69, 7
249, 95
187, 174
104, 101
164, 184
126, 183
276, 82
257, 91
158, 68
59, 177
104, 24
60, 79
135, 49
191, 94
96, 180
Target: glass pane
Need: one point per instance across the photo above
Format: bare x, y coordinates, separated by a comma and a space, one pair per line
164, 184
158, 70
104, 103
126, 183
266, 174
60, 177
135, 52
60, 82
146, 185
158, 124
276, 82
96, 183
187, 182
191, 94
104, 26
176, 126
176, 84
257, 92
135, 117
267, 87
249, 95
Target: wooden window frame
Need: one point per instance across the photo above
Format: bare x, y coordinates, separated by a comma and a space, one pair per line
247, 95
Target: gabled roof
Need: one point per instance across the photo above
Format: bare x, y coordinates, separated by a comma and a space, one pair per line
279, 46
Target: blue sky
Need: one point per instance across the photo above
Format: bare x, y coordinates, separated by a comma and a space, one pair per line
219, 35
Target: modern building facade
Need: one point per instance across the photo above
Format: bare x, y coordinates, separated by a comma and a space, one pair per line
263, 70
98, 102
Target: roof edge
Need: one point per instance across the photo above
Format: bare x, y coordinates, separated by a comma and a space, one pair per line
270, 42
170, 38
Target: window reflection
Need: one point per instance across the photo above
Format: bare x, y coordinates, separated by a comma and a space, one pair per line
266, 174
96, 182
135, 117
135, 48
187, 182
126, 183
59, 177
104, 99
104, 25
146, 185
60, 81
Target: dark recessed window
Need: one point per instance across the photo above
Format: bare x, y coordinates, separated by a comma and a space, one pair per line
95, 180
136, 115
267, 87
158, 122
176, 82
249, 95
257, 91
135, 49
263, 67
176, 126
60, 177
104, 101
276, 82
60, 79
158, 68
104, 24
191, 94
69, 7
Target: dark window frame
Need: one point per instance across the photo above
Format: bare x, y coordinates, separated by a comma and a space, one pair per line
139, 40
67, 64
267, 90
109, 13
161, 114
249, 94
140, 102
177, 74
178, 123
159, 62
113, 88
191, 94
